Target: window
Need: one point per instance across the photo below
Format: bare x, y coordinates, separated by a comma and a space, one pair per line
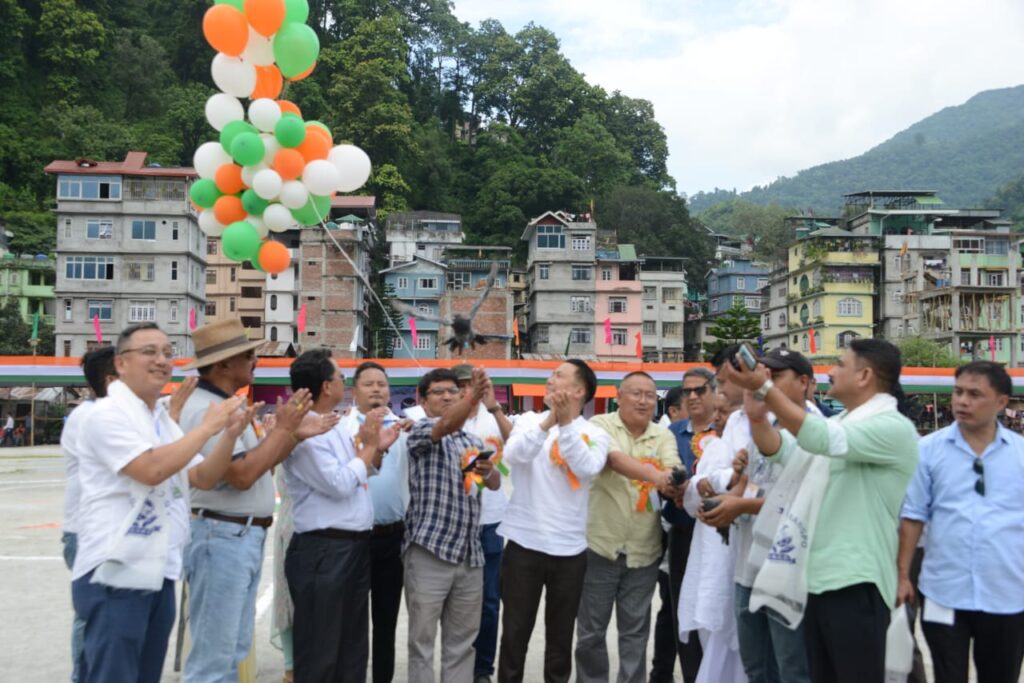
273, 334
143, 230
650, 327
427, 283
174, 270
843, 339
766, 321
543, 271
211, 247
67, 348
995, 246
174, 230
273, 302
141, 311
968, 245
672, 295
741, 283
619, 336
89, 268
714, 305
806, 343
103, 308
68, 315
753, 303
541, 334
95, 187
67, 228
231, 304
713, 285
762, 282
816, 308
172, 309
850, 308
581, 272
899, 330
247, 265
782, 319
580, 335
140, 271
580, 304
234, 273
671, 329
965, 276
425, 308
650, 293
211, 276
550, 237
459, 281
252, 292
617, 304
211, 308
606, 274
897, 296
403, 283
580, 242
252, 321
995, 279
99, 229
424, 342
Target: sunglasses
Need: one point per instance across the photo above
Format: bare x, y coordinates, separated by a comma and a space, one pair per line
979, 469
696, 391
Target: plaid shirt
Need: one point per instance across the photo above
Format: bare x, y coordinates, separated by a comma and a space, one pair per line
442, 517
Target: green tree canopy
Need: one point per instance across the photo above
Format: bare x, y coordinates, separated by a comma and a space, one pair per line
737, 324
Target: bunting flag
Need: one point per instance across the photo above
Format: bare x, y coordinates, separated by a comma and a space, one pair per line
192, 318
301, 322
903, 249
760, 343
515, 329
415, 335
992, 346
814, 343
608, 331
96, 328
356, 334
639, 346
568, 340
35, 326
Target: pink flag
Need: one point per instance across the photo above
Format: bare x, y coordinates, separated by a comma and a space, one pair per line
607, 330
412, 328
192, 318
301, 322
992, 346
639, 346
96, 328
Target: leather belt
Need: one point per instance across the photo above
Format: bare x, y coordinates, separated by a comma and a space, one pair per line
342, 534
388, 529
262, 522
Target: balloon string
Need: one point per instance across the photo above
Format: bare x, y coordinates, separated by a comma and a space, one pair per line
366, 281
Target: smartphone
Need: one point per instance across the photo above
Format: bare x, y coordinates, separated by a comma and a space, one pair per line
484, 455
679, 475
746, 354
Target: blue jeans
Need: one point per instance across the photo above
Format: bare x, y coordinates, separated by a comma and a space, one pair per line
486, 642
70, 542
222, 566
126, 631
771, 653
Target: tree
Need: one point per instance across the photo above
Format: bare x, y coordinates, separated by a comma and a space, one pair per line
738, 324
15, 332
923, 353
589, 151
765, 224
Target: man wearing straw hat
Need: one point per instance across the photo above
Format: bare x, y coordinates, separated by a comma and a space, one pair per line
229, 522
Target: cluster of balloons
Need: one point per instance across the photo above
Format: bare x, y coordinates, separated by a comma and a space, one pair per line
270, 170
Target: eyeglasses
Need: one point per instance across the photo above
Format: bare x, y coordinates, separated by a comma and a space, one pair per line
696, 391
151, 352
979, 469
451, 391
640, 395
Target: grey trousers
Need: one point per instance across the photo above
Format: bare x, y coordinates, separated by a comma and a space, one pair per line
435, 591
610, 583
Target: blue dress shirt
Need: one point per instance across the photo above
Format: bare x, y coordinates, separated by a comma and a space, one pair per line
974, 552
683, 431
389, 490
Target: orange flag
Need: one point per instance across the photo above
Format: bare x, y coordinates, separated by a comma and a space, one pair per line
639, 346
814, 344
515, 329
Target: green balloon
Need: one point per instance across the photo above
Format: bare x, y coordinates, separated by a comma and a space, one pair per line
296, 48
241, 241
204, 193
255, 262
290, 131
239, 4
316, 209
248, 149
254, 204
232, 130
296, 10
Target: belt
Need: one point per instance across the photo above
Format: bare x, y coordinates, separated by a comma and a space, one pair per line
262, 522
343, 534
388, 529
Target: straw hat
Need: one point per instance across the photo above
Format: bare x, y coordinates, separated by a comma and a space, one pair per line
219, 341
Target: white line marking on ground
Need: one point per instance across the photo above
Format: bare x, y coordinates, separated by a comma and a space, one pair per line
265, 600
30, 558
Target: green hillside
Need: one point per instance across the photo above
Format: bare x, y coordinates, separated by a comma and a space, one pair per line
965, 153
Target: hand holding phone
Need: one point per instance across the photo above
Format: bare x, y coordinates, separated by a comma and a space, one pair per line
746, 355
484, 455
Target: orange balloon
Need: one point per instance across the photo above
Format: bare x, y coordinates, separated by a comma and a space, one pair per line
289, 164
266, 16
304, 74
229, 209
228, 179
288, 107
226, 29
316, 145
268, 82
273, 257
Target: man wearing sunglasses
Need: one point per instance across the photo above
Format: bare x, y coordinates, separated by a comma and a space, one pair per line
969, 490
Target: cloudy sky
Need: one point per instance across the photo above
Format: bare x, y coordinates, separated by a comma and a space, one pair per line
750, 90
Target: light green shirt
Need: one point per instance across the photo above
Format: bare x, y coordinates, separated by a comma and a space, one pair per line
614, 527
856, 537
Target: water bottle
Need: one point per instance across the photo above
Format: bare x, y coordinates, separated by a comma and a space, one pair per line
899, 647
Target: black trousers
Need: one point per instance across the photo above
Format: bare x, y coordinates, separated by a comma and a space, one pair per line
385, 599
524, 574
998, 646
329, 579
667, 646
845, 631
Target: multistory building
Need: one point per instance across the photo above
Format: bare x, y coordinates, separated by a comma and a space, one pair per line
28, 281
665, 301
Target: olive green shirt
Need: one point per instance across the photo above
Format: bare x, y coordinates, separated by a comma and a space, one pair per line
614, 527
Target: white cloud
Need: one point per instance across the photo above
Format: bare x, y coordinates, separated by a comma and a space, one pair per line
749, 90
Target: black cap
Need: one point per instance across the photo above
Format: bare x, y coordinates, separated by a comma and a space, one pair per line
784, 359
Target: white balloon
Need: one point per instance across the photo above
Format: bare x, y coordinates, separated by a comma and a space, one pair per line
353, 166
249, 172
294, 194
264, 113
278, 218
257, 222
233, 75
267, 184
222, 109
208, 158
271, 147
209, 224
259, 50
321, 177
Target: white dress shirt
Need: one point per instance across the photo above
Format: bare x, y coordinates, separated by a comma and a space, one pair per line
328, 484
492, 503
74, 429
546, 513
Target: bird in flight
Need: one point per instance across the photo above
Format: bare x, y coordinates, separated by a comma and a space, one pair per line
463, 335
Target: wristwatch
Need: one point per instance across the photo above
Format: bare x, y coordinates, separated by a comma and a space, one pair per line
495, 409
763, 391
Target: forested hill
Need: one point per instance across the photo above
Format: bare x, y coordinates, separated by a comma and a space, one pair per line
965, 153
495, 126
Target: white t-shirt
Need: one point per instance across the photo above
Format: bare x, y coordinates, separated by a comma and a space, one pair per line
121, 428
75, 428
492, 503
